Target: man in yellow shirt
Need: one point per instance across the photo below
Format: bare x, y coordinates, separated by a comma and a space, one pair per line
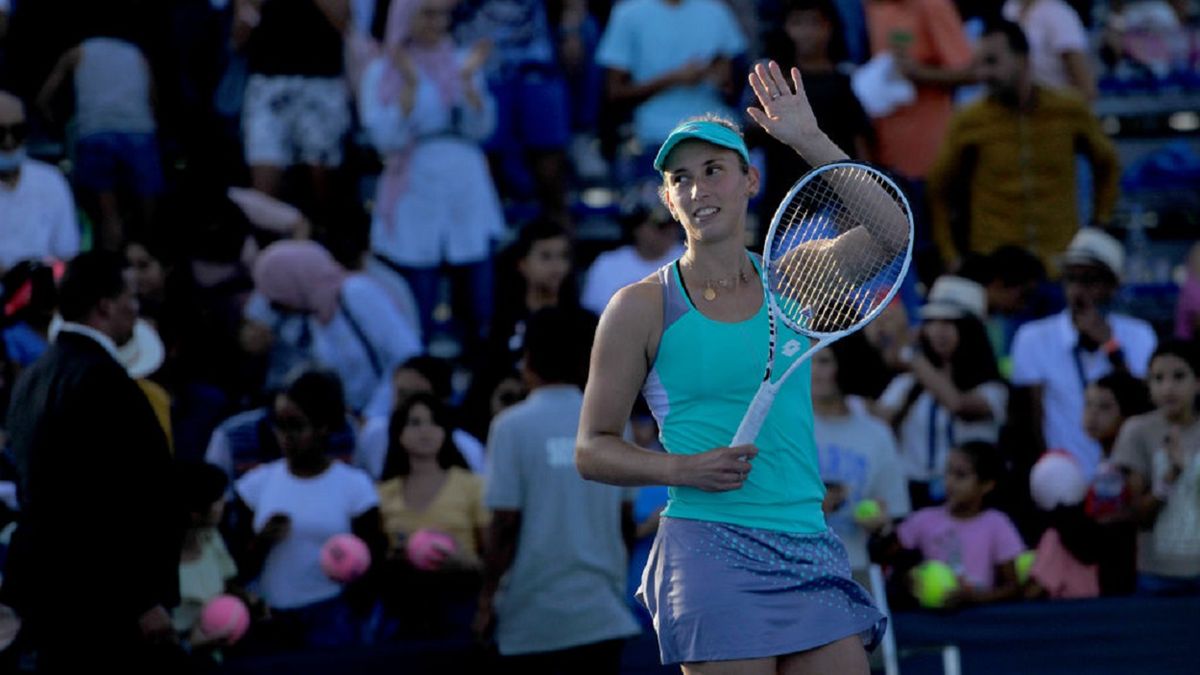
1006, 170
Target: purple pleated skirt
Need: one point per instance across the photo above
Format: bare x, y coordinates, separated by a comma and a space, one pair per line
721, 592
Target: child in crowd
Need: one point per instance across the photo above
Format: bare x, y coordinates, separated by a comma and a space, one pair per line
980, 544
427, 486
1065, 561
1108, 403
857, 452
287, 509
206, 569
1160, 451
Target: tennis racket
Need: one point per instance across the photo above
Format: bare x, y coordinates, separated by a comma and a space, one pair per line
836, 253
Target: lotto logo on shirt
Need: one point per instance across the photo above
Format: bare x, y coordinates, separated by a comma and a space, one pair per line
560, 452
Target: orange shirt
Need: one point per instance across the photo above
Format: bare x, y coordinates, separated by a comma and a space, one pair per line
932, 33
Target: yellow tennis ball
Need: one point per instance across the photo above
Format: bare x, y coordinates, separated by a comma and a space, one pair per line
933, 581
867, 509
1024, 563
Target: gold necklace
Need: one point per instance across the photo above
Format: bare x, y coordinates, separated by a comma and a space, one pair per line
711, 285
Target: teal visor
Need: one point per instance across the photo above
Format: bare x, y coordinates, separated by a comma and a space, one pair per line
702, 130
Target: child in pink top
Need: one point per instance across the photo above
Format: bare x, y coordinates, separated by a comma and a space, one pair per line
979, 544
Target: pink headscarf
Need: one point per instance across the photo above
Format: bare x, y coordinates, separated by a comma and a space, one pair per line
300, 275
438, 62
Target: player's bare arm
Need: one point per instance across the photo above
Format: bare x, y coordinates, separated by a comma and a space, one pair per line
625, 347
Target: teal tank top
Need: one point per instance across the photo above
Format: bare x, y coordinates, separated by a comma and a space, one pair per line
703, 378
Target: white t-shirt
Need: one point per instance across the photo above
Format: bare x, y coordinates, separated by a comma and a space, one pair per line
319, 507
859, 452
613, 270
1052, 28
37, 216
1043, 354
929, 431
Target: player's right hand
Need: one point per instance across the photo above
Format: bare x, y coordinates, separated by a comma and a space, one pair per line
719, 469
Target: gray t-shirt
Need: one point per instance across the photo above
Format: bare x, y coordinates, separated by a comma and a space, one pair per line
567, 582
858, 452
1172, 547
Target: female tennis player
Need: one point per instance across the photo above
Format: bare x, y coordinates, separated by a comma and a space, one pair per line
744, 576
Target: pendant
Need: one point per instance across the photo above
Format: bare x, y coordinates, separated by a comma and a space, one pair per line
710, 294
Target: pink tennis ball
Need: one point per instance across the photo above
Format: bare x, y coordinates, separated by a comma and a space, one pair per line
225, 616
344, 558
427, 549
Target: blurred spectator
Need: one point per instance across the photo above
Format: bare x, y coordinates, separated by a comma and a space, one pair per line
29, 293
1161, 452
296, 107
669, 74
1006, 171
113, 129
286, 510
1059, 53
1187, 309
426, 486
952, 392
979, 544
528, 146
426, 108
533, 273
554, 579
84, 435
414, 376
926, 39
37, 213
857, 452
811, 37
655, 242
206, 568
1056, 357
1011, 275
1065, 563
307, 307
1109, 401
255, 437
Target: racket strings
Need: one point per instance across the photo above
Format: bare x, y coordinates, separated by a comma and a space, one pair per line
825, 289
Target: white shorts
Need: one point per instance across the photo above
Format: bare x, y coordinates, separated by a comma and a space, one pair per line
294, 119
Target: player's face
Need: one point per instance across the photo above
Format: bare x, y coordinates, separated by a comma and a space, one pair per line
707, 190
1173, 385
1101, 414
421, 435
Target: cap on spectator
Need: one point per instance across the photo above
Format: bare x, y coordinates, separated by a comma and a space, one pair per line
954, 298
1094, 247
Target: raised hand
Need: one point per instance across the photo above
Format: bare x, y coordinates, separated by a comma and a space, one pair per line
785, 112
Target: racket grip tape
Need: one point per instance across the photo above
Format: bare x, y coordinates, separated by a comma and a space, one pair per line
755, 415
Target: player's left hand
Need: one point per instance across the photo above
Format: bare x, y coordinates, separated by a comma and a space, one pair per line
785, 112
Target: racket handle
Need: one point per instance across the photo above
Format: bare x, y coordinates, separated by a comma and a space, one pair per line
755, 415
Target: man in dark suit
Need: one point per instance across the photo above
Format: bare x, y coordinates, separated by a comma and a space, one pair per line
94, 562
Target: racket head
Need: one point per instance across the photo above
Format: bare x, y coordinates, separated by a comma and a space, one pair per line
812, 289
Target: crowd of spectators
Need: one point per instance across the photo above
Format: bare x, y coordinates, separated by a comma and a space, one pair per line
361, 248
